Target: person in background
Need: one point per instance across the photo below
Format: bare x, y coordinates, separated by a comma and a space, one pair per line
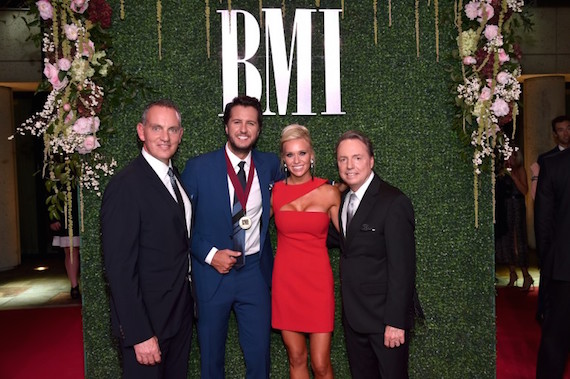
303, 287
561, 135
232, 258
145, 222
511, 244
552, 223
70, 246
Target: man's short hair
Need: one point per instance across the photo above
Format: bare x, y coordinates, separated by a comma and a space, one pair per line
245, 101
558, 120
355, 134
165, 103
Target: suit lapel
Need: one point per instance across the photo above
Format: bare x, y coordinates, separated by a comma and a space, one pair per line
263, 175
157, 185
366, 205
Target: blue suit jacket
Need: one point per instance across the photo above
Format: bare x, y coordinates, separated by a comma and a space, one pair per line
205, 180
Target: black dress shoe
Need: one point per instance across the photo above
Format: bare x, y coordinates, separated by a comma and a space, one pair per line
75, 294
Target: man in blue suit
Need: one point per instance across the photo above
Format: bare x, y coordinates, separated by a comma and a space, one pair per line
232, 258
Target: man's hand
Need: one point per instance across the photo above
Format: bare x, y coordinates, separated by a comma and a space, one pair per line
393, 337
224, 260
148, 352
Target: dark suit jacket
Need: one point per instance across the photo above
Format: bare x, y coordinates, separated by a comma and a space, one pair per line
205, 179
543, 156
552, 216
378, 261
146, 251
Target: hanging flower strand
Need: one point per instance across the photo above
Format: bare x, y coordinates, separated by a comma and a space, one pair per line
75, 70
488, 93
418, 28
375, 6
207, 13
159, 27
436, 11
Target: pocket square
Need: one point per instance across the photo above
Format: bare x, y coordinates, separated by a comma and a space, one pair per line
367, 228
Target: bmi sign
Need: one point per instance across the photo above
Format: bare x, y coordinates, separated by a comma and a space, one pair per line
281, 62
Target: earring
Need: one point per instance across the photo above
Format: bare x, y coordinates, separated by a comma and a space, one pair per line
285, 170
312, 169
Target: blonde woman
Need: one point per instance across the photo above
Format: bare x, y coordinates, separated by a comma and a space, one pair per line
303, 287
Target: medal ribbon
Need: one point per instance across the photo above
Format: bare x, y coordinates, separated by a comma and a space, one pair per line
240, 193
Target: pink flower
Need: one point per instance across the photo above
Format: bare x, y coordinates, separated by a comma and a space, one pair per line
86, 125
485, 94
472, 9
488, 9
491, 31
503, 56
66, 107
500, 108
64, 64
52, 74
50, 71
469, 60
502, 77
45, 8
89, 144
69, 116
58, 84
71, 31
79, 6
87, 49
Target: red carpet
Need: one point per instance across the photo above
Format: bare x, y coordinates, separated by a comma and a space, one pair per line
518, 334
41, 343
48, 342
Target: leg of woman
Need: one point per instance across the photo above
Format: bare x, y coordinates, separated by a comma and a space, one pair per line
321, 355
296, 346
72, 266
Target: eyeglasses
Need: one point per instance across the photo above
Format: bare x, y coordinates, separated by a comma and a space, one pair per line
173, 130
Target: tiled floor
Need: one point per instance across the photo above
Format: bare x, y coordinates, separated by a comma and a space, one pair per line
25, 287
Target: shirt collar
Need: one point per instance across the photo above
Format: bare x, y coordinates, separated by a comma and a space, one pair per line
235, 160
158, 166
362, 190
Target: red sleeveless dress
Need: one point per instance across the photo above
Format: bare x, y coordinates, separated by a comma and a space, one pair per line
303, 288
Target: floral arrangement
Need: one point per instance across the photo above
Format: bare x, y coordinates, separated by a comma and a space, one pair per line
488, 89
85, 88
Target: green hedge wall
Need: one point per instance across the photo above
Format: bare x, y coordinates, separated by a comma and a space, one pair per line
401, 101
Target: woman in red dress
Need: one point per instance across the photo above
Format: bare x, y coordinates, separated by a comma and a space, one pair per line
302, 300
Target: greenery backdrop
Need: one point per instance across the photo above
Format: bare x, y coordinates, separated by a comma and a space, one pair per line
403, 102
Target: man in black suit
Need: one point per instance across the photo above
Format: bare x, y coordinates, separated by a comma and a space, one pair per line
552, 223
377, 265
145, 219
561, 134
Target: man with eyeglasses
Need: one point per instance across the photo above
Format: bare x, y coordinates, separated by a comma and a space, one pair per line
146, 224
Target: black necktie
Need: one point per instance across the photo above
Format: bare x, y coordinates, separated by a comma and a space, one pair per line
241, 174
177, 193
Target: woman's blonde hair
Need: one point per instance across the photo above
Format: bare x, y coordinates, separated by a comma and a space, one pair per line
295, 131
